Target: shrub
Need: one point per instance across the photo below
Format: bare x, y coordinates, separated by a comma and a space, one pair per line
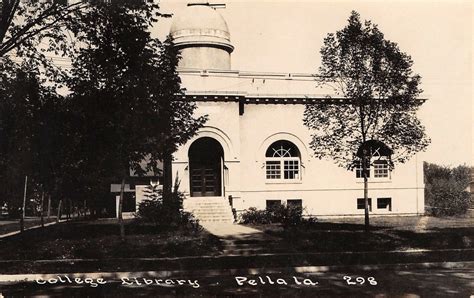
254, 216
287, 216
445, 190
447, 198
153, 211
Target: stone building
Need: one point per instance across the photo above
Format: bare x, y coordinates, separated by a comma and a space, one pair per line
253, 151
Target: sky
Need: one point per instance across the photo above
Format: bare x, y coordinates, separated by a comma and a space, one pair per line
286, 36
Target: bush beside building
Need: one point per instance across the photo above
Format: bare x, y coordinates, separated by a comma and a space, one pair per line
447, 189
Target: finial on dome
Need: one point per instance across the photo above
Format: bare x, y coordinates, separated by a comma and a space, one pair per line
213, 5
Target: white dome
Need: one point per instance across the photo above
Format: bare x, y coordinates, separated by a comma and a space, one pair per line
200, 25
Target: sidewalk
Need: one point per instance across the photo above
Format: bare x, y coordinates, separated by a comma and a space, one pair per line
239, 240
237, 262
12, 227
200, 273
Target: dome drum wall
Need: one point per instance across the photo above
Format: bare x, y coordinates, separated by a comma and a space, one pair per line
204, 58
203, 37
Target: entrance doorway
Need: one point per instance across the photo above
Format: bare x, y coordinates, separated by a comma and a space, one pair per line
205, 168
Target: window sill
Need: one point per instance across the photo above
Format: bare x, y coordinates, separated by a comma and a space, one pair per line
283, 182
375, 180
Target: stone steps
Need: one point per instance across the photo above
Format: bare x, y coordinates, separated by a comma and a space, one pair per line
209, 209
209, 212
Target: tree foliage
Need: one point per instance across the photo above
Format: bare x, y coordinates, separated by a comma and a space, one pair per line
126, 94
33, 113
446, 189
124, 103
36, 31
111, 83
377, 100
24, 24
177, 121
30, 131
380, 90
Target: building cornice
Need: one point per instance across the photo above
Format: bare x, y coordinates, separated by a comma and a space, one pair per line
246, 98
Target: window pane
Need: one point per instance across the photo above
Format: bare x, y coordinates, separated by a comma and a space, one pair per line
273, 169
380, 169
359, 171
291, 169
282, 148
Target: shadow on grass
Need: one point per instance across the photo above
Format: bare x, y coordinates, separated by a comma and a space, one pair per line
329, 237
95, 239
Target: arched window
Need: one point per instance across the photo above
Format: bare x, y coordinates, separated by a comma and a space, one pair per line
282, 161
378, 159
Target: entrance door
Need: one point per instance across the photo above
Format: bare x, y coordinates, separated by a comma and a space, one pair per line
205, 170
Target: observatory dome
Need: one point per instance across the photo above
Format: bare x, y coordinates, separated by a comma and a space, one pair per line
202, 35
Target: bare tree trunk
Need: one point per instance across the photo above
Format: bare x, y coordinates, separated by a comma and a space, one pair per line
366, 193
73, 209
120, 217
42, 209
67, 205
364, 168
59, 210
366, 201
22, 219
49, 206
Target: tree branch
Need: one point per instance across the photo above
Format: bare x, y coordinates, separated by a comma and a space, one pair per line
8, 14
22, 35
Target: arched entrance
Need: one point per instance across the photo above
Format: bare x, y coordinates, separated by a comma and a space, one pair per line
205, 168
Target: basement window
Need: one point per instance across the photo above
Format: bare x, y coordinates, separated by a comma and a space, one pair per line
361, 204
272, 204
384, 203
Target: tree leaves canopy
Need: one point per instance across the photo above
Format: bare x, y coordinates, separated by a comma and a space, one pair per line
125, 88
381, 96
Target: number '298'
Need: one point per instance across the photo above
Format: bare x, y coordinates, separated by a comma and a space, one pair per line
359, 280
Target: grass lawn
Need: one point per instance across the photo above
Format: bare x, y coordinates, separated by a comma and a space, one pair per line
387, 233
99, 239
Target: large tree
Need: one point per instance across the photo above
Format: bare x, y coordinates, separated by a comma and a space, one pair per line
378, 113
176, 116
29, 144
123, 85
32, 112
